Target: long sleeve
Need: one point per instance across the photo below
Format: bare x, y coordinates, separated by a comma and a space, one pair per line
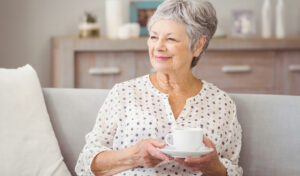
101, 137
232, 146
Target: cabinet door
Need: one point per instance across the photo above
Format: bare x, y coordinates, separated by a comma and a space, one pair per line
238, 71
103, 69
291, 72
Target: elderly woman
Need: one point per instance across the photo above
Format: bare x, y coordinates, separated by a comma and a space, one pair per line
138, 114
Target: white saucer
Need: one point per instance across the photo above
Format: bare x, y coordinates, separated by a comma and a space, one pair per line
182, 154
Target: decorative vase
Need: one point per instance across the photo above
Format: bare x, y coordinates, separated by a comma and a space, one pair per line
266, 19
113, 12
279, 29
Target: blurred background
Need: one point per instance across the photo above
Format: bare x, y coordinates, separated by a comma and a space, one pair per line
30, 30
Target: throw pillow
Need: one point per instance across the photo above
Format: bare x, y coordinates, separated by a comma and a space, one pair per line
28, 143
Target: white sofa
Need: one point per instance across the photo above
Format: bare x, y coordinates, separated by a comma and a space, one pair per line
270, 123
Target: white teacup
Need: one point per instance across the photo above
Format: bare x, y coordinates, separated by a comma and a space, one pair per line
186, 139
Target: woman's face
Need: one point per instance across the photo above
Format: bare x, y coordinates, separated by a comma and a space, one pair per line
169, 47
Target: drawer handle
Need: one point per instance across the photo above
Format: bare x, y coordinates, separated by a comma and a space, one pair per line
294, 68
236, 68
104, 71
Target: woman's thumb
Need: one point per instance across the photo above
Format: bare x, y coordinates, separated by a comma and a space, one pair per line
207, 142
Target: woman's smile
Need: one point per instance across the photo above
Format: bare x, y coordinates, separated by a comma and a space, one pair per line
162, 58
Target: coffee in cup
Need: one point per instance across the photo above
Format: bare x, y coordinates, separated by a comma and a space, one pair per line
186, 139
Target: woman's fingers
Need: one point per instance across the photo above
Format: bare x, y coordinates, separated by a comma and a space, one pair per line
180, 161
207, 164
150, 156
208, 143
157, 143
204, 161
157, 154
201, 159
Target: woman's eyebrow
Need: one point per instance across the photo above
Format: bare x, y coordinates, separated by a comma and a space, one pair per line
155, 33
170, 33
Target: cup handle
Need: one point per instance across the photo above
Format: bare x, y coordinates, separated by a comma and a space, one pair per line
168, 136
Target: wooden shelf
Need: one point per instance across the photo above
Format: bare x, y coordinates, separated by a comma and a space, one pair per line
270, 62
140, 44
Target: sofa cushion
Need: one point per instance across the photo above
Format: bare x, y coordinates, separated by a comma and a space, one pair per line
73, 113
28, 143
271, 134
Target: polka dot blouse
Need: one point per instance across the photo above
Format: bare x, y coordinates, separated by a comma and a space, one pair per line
135, 110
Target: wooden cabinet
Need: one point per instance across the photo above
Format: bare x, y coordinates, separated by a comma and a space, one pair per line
290, 68
239, 72
235, 65
104, 69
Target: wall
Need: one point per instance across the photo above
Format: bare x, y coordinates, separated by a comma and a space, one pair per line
225, 8
28, 25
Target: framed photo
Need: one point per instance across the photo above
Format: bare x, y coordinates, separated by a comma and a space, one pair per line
243, 23
141, 11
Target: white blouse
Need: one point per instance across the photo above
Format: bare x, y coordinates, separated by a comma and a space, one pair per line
135, 110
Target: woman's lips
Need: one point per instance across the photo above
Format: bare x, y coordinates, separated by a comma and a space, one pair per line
162, 58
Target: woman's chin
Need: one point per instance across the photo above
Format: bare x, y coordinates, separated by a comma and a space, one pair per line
162, 66
162, 69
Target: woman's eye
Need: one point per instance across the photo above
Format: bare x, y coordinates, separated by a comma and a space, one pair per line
171, 39
153, 37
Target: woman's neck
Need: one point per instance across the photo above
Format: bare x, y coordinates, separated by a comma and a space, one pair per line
176, 83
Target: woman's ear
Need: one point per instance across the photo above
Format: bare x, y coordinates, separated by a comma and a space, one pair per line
199, 46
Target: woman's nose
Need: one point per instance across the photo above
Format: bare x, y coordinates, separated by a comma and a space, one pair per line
160, 45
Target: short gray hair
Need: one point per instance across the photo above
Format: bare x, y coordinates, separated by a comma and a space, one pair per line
198, 16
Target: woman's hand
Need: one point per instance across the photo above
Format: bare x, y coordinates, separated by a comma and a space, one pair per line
144, 153
147, 154
208, 164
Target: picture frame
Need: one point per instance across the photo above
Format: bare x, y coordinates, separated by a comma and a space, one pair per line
243, 23
141, 11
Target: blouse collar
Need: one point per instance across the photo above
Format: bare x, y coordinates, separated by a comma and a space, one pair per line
166, 96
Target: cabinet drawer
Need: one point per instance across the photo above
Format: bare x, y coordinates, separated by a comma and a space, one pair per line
238, 71
291, 72
103, 70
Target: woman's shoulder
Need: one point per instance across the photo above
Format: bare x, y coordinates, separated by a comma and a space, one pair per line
135, 83
216, 93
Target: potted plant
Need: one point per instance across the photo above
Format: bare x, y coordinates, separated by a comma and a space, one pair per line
89, 26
